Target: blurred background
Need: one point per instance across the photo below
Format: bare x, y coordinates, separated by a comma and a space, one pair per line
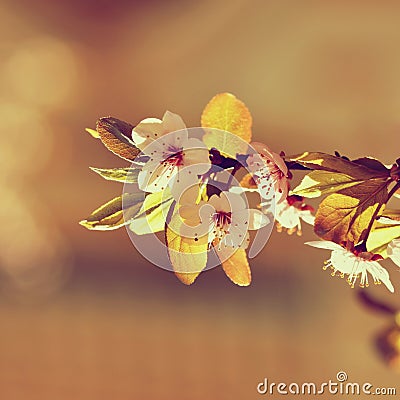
83, 315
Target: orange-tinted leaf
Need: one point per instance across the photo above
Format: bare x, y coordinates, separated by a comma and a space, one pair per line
236, 267
346, 215
187, 278
227, 113
371, 163
116, 136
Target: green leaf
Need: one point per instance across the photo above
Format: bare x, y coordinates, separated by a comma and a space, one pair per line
127, 175
188, 256
318, 183
344, 217
360, 169
116, 136
115, 213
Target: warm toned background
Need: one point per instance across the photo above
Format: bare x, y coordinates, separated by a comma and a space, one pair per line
83, 316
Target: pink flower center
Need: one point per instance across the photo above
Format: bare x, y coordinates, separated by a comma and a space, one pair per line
270, 170
175, 159
298, 203
276, 174
222, 219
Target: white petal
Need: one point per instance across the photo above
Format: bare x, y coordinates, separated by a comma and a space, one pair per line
255, 163
307, 217
174, 141
195, 152
257, 219
172, 122
388, 221
154, 180
237, 238
394, 247
184, 178
241, 190
376, 270
396, 259
267, 191
194, 143
287, 215
236, 201
240, 220
189, 196
200, 224
344, 261
393, 251
325, 244
146, 131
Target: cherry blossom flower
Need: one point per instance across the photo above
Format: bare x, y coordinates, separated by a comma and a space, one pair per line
174, 159
354, 264
393, 251
269, 171
290, 212
225, 218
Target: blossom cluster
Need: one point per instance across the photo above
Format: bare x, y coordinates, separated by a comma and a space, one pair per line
194, 184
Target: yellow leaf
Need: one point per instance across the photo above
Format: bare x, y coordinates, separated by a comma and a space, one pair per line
115, 213
236, 267
226, 113
154, 221
344, 217
380, 237
153, 213
127, 175
187, 278
318, 183
154, 200
188, 256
